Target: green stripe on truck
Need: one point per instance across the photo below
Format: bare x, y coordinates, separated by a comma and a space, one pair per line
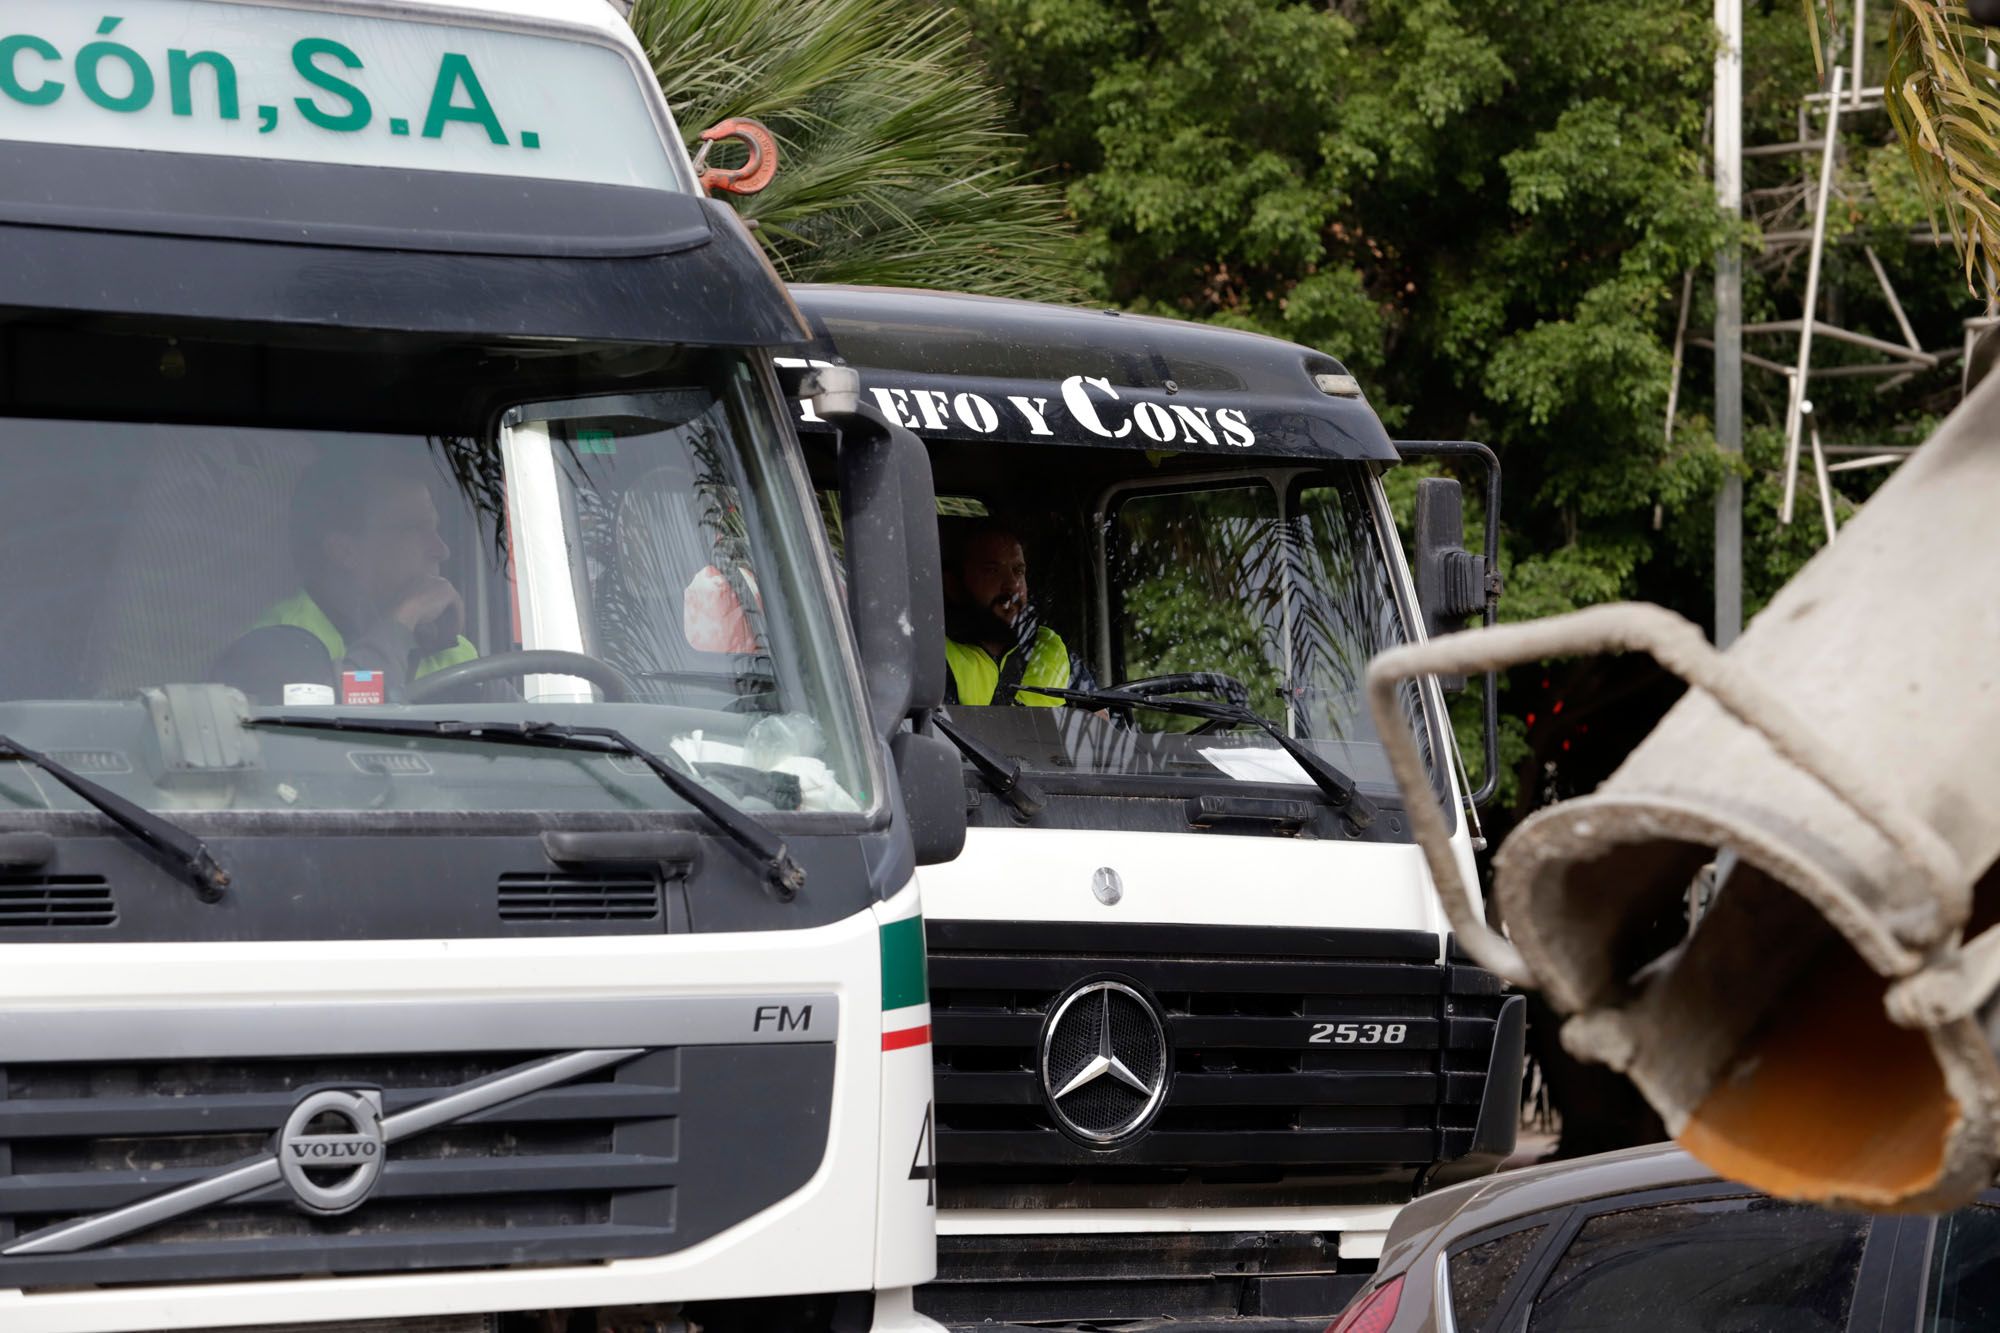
903, 979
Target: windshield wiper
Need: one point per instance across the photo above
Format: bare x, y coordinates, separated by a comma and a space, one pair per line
1339, 789
167, 840
785, 875
995, 769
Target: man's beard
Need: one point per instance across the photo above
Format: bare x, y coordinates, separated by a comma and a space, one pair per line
965, 622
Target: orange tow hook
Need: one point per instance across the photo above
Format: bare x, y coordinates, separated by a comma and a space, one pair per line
754, 174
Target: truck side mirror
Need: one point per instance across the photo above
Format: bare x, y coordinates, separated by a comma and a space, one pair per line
1440, 541
1451, 581
895, 599
930, 774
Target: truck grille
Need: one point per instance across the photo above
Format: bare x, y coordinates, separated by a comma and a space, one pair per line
1253, 1100
607, 1165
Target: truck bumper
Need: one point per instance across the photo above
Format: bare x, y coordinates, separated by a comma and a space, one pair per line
1234, 1268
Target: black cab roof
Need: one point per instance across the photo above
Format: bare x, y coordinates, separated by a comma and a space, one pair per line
121, 232
976, 368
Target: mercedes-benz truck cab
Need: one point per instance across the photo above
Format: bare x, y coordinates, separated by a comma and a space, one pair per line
1198, 1022
454, 874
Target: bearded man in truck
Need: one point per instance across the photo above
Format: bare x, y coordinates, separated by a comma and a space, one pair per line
993, 639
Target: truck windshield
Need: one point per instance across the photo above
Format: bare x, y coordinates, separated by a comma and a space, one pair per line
639, 562
1268, 588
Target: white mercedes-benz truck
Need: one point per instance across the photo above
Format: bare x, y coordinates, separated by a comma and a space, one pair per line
457, 836
1199, 1023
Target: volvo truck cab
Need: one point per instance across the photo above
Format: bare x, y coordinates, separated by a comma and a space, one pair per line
1199, 1025
453, 875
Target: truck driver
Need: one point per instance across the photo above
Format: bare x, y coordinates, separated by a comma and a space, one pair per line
991, 633
374, 612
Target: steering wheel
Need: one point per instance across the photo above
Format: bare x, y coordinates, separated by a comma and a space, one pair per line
1219, 683
532, 662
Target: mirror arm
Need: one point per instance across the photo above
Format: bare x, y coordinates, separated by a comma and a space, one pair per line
877, 558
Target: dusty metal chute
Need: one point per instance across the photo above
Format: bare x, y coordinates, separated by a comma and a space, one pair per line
1821, 1032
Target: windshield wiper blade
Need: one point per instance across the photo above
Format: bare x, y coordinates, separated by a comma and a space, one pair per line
173, 844
995, 769
1339, 789
785, 875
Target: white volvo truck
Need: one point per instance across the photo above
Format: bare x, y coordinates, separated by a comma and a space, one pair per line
456, 859
1199, 1023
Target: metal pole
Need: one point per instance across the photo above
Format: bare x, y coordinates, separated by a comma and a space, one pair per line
1895, 306
1825, 486
1860, 32
1796, 405
1729, 319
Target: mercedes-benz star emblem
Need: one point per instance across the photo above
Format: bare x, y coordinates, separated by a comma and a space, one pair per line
1104, 1062
331, 1148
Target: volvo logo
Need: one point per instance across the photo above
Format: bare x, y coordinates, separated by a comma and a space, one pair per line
331, 1148
1104, 1062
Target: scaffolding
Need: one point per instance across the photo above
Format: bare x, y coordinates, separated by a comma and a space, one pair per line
1792, 218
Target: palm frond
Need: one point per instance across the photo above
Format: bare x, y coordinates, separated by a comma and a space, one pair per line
896, 164
1945, 100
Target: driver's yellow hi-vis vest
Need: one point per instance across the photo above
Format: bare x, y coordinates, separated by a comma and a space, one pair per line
977, 675
301, 612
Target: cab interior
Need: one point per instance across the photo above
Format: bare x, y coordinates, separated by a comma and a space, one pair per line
1069, 505
138, 542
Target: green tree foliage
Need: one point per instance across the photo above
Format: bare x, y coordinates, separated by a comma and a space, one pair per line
1488, 210
896, 163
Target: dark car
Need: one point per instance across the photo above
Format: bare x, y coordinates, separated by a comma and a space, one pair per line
1650, 1239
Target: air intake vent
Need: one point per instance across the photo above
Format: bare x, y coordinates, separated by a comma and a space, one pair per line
47, 902
623, 896
390, 763
92, 761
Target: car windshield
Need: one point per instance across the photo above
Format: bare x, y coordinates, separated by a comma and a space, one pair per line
641, 562
1271, 588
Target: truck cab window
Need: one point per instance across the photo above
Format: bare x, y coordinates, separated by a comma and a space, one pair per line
1277, 584
629, 562
1193, 588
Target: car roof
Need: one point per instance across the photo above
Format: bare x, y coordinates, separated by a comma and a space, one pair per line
915, 344
1438, 1219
